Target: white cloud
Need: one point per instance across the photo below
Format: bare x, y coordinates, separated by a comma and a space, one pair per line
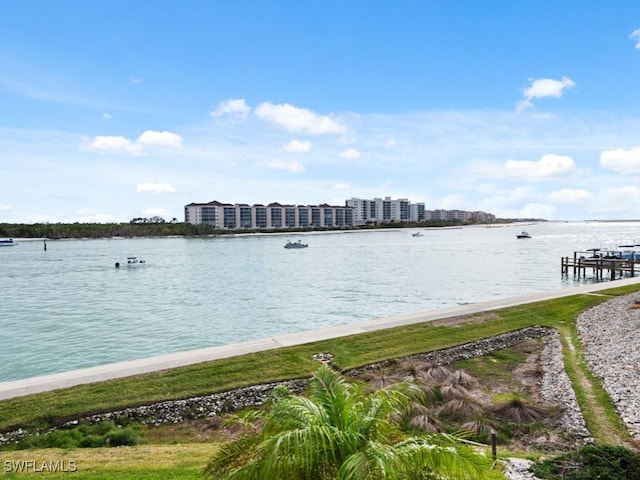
234, 107
635, 35
550, 166
113, 144
297, 146
568, 196
350, 153
625, 162
390, 143
295, 119
5, 208
136, 80
106, 116
619, 199
123, 146
342, 186
289, 166
155, 188
543, 87
537, 210
152, 138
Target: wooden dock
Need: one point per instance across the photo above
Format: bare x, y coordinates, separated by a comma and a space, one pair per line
600, 266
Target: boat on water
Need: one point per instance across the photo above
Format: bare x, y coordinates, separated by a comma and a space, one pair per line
629, 252
132, 262
296, 244
417, 234
523, 234
7, 242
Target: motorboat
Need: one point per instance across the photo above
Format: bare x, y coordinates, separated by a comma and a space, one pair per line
523, 234
8, 242
132, 262
629, 252
296, 244
417, 234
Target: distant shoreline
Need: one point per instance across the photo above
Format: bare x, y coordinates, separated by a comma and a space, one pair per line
90, 231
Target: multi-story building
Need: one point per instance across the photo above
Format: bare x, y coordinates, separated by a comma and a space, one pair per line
462, 216
385, 210
227, 216
358, 211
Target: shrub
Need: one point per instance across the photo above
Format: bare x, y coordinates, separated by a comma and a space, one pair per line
518, 411
122, 437
592, 462
105, 434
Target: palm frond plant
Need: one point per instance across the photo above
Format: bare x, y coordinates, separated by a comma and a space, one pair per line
413, 368
462, 408
426, 423
460, 377
517, 410
437, 374
380, 378
417, 416
338, 431
450, 391
479, 428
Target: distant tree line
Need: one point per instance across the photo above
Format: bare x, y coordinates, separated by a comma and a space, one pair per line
103, 230
159, 227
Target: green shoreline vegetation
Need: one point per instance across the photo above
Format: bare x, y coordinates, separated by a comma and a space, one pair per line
159, 227
52, 408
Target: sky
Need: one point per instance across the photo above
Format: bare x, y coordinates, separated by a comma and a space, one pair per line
112, 110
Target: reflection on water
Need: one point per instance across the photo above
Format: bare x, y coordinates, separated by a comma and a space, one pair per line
69, 307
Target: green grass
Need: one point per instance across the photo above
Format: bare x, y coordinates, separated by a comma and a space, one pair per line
293, 362
148, 462
598, 410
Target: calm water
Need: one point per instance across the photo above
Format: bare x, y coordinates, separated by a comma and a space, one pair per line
68, 307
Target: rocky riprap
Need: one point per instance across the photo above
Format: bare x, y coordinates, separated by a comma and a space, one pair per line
610, 336
177, 411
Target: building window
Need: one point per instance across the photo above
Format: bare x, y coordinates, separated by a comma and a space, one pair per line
229, 220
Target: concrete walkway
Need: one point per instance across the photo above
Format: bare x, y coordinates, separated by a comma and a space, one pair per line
163, 362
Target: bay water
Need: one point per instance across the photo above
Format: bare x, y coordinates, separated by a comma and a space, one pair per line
68, 307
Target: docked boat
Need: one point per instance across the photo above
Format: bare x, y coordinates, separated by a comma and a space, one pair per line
8, 242
630, 252
296, 244
523, 234
132, 262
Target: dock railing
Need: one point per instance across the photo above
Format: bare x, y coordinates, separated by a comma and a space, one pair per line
613, 263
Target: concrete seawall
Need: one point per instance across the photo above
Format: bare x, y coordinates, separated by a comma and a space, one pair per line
56, 381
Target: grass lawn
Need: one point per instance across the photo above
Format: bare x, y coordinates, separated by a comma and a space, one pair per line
146, 462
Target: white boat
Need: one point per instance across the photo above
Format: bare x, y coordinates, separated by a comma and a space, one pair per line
523, 234
132, 262
9, 242
296, 244
417, 234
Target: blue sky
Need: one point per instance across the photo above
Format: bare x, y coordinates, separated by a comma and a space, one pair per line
111, 110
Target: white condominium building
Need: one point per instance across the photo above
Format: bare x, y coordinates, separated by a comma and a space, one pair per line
459, 216
227, 216
385, 210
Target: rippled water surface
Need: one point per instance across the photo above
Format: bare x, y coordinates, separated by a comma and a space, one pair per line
68, 307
